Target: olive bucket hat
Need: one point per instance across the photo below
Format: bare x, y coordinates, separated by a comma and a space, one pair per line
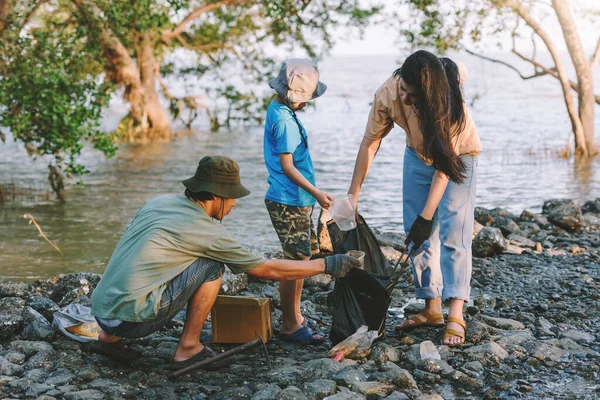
217, 175
298, 81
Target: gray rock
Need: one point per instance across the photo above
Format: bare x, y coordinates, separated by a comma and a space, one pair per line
565, 214
545, 327
474, 367
9, 369
11, 289
439, 367
110, 387
591, 206
483, 216
372, 388
502, 323
233, 283
320, 281
545, 350
44, 306
529, 229
591, 220
489, 242
510, 339
540, 220
506, 225
577, 336
35, 375
267, 393
322, 368
59, 377
391, 239
346, 395
11, 317
13, 356
36, 389
382, 352
477, 227
484, 352
477, 331
575, 348
89, 394
397, 396
76, 285
6, 380
43, 360
291, 393
36, 326
50, 395
320, 388
427, 351
285, 376
521, 241
393, 374
233, 393
349, 376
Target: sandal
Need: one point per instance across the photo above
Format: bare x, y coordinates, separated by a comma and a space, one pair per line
205, 354
304, 335
117, 351
421, 320
311, 323
448, 333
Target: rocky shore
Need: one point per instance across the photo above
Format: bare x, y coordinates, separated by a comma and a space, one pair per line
533, 331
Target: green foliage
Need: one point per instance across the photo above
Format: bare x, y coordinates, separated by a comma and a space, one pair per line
48, 102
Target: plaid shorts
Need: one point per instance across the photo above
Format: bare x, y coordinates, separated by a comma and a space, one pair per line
295, 228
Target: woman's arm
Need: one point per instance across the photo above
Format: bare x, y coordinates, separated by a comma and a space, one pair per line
290, 170
438, 187
366, 153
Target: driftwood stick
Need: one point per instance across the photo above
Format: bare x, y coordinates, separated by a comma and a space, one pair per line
32, 221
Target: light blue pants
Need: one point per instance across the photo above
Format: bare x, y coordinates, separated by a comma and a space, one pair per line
443, 264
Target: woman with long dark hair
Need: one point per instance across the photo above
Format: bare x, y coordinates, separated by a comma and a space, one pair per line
424, 98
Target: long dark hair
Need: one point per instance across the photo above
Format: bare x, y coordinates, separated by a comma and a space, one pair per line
441, 109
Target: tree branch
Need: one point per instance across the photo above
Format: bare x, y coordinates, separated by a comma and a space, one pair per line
595, 57
167, 35
31, 14
524, 77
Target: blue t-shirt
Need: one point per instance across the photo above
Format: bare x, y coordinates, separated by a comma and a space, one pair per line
283, 136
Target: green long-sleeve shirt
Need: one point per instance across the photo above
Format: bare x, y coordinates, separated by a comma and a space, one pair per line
167, 235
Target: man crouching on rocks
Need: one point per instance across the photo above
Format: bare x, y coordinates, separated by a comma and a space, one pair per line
172, 254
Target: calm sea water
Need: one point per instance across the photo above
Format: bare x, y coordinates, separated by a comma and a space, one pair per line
522, 125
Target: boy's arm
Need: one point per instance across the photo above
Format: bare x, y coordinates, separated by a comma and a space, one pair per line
290, 170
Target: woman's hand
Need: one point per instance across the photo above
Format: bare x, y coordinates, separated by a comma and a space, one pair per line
419, 232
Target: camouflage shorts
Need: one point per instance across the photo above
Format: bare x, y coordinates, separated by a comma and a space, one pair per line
295, 228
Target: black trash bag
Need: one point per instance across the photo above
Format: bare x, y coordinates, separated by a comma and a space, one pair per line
360, 238
362, 297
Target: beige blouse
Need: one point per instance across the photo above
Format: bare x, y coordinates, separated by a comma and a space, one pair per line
389, 108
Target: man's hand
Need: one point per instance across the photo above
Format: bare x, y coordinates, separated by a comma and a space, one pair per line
419, 232
338, 265
324, 199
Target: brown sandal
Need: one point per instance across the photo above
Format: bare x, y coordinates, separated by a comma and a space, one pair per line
420, 320
448, 333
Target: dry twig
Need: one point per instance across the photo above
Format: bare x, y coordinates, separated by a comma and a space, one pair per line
32, 221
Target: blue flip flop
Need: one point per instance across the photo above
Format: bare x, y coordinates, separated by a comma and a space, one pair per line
311, 323
304, 335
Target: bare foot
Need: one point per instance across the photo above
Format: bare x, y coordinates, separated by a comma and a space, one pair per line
184, 352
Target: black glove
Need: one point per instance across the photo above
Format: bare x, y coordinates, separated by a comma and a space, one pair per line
419, 232
338, 265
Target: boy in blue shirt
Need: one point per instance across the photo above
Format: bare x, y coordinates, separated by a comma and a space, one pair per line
292, 193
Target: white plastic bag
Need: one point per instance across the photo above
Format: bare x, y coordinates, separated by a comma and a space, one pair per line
343, 213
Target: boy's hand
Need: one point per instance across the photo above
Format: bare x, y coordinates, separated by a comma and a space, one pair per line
324, 199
